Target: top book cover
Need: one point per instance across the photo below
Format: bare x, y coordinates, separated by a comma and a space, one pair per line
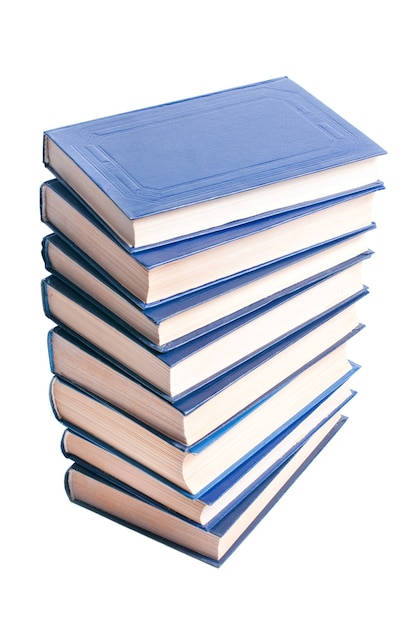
170, 171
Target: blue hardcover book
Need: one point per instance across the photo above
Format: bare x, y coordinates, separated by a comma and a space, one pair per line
191, 417
216, 544
210, 504
174, 270
187, 366
195, 468
169, 171
174, 322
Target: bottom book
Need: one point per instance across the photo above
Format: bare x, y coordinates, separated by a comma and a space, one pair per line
212, 545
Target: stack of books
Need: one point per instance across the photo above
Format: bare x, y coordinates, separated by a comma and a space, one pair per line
204, 272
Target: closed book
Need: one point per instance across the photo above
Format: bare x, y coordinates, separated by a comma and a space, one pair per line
216, 544
173, 322
181, 369
163, 272
168, 171
191, 417
195, 467
210, 504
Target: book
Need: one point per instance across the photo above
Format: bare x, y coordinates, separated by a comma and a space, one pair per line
193, 416
212, 503
181, 369
163, 272
169, 171
173, 322
216, 544
196, 467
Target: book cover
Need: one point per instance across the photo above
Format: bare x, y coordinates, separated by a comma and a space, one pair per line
169, 271
161, 160
185, 367
242, 519
66, 263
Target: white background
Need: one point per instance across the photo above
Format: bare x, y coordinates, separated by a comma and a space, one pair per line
339, 548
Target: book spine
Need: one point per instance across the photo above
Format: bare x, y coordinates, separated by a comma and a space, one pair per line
45, 253
50, 350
